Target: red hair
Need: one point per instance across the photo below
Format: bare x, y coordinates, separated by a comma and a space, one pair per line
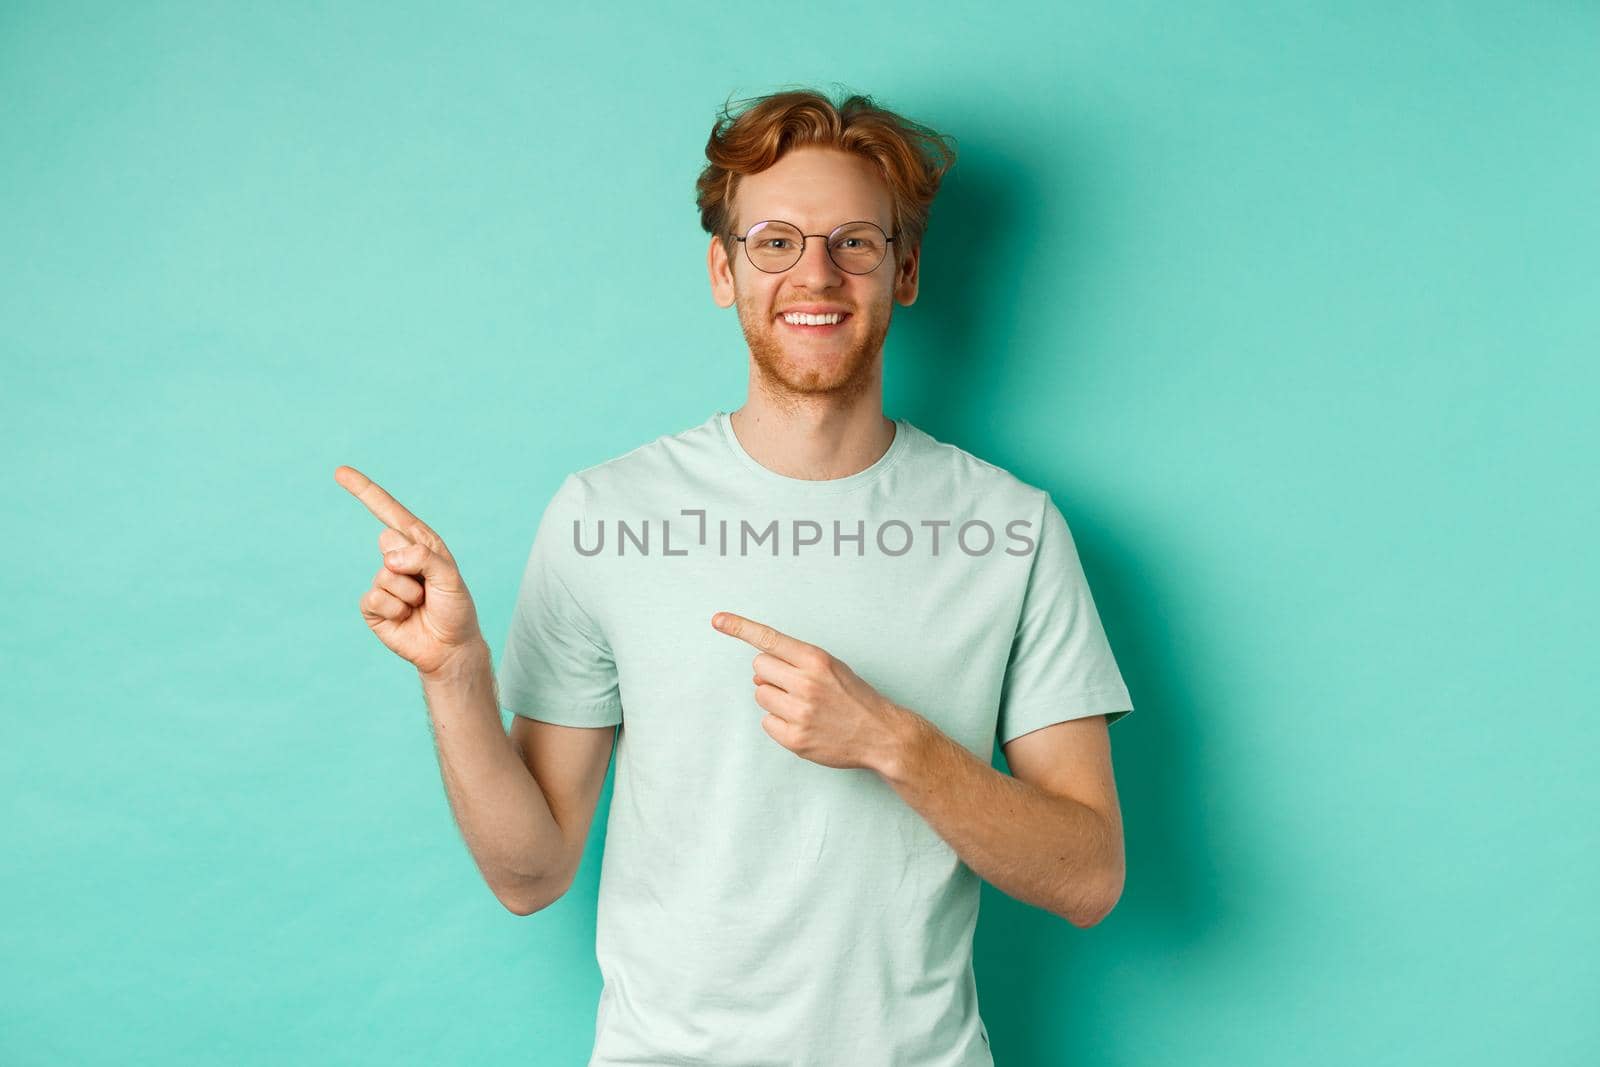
911, 158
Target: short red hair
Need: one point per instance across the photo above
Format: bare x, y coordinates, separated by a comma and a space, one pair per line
911, 158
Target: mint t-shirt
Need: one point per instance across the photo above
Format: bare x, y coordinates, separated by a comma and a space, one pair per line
756, 908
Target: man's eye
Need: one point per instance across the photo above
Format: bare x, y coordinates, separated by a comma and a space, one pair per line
772, 242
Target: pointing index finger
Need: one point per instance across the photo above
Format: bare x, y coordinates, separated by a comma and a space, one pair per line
760, 635
388, 510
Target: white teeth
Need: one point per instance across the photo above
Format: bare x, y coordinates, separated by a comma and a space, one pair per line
802, 319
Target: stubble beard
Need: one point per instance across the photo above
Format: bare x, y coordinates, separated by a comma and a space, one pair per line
783, 376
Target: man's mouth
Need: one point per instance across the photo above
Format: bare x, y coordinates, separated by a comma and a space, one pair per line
802, 322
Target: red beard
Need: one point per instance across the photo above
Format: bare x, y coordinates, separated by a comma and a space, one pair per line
843, 373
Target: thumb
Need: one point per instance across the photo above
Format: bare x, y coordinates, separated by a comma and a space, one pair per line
436, 572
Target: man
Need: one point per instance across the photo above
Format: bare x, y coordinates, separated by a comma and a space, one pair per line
804, 624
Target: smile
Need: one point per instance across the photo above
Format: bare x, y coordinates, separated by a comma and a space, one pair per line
820, 324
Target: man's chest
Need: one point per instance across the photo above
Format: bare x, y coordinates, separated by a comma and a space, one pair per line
931, 633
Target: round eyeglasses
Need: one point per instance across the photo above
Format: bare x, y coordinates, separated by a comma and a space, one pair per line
855, 247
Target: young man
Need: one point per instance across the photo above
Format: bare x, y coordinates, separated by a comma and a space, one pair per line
804, 623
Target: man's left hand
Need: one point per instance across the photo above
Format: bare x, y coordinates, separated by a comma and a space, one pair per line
817, 707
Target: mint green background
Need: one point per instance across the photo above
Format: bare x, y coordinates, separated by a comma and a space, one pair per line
1293, 308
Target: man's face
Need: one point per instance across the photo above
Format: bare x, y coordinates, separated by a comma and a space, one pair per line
815, 189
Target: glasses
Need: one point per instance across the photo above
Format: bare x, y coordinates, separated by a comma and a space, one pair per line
855, 247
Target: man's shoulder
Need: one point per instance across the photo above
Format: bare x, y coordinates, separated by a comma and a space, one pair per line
661, 457
970, 475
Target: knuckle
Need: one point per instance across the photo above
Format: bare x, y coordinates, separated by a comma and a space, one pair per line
422, 535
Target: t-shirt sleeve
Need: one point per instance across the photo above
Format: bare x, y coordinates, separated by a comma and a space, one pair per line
557, 665
1061, 666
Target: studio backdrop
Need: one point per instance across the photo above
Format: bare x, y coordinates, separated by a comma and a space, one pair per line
1293, 309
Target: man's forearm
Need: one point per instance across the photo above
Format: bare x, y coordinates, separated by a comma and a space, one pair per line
503, 815
1049, 851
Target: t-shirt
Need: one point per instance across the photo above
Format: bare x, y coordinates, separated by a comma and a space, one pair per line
756, 908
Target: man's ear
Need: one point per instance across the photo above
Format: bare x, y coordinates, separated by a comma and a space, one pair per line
722, 292
905, 277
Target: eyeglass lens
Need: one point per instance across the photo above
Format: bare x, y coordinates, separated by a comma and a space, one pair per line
856, 247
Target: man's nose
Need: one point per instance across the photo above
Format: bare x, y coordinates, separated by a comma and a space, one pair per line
815, 269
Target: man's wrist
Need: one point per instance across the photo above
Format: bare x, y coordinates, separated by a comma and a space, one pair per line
907, 732
459, 665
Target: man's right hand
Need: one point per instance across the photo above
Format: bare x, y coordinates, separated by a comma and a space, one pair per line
418, 605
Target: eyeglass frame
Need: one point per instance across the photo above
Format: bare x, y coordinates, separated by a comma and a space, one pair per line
888, 239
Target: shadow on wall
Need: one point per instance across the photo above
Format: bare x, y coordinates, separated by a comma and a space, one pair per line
952, 364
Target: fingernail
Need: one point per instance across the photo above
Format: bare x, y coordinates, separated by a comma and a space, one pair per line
392, 556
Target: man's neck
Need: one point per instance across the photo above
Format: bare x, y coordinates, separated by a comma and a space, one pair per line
814, 439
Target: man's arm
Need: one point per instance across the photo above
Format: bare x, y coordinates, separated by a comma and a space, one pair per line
508, 825
1050, 836
569, 764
